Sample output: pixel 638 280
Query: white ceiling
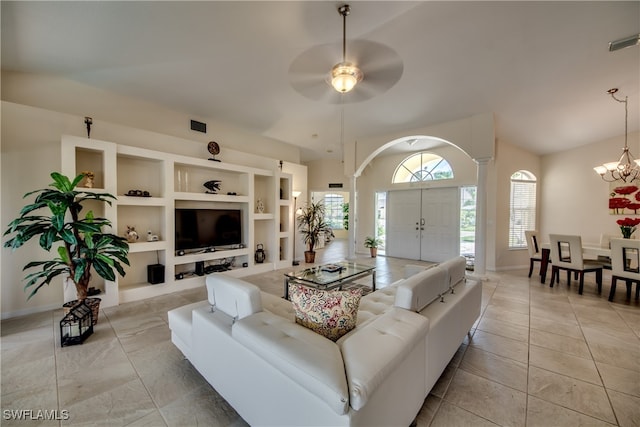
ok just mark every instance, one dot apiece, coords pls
pixel 543 68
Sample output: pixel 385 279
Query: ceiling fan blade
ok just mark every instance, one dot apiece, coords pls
pixel 309 72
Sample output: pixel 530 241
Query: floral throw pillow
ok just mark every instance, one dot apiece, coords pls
pixel 328 313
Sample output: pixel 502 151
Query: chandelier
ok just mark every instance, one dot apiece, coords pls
pixel 626 169
pixel 345 75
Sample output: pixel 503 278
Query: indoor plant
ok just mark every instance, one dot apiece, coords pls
pixel 372 243
pixel 313 227
pixel 83 243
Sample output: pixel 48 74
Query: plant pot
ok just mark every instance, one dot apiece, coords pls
pixel 309 257
pixel 374 252
pixel 93 303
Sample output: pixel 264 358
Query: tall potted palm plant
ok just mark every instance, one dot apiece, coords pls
pixel 81 242
pixel 313 227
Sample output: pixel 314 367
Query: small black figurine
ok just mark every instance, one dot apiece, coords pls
pixel 213 186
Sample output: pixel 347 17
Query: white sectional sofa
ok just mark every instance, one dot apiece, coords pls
pixel 275 372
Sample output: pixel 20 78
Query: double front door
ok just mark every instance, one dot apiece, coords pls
pixel 423 224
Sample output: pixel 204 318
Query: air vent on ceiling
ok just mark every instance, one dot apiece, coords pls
pixel 626 42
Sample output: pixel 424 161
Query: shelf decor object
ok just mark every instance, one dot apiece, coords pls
pixel 260 254
pixel 76 325
pixel 214 149
pixel 212 186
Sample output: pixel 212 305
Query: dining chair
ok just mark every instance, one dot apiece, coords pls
pixel 535 254
pixel 625 265
pixel 566 254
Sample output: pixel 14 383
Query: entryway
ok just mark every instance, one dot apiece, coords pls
pixel 423 224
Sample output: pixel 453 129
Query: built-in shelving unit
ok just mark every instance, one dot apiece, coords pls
pixel 174 181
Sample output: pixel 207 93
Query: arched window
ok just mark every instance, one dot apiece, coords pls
pixel 522 215
pixel 422 167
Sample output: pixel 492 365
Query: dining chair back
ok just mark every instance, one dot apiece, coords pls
pixel 535 253
pixel 625 265
pixel 566 254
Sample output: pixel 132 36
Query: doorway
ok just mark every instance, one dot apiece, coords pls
pixel 423 224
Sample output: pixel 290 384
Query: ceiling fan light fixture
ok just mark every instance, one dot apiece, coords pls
pixel 344 76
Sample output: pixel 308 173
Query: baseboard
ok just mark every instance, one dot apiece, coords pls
pixel 27 311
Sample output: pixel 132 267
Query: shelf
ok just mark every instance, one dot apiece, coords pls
pixel 141 201
pixel 204 197
pixel 264 216
pixel 176 182
pixel 206 256
pixel 148 246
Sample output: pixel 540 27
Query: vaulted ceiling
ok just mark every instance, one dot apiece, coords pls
pixel 543 68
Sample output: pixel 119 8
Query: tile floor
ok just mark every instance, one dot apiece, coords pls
pixel 538 356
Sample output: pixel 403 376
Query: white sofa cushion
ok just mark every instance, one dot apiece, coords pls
pixel 411 269
pixel 374 304
pixel 457 268
pixel 372 352
pixel 233 296
pixel 180 320
pixel 278 305
pixel 421 289
pixel 306 357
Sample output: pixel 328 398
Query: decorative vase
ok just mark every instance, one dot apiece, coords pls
pixel 93 303
pixel 374 252
pixel 309 257
pixel 260 255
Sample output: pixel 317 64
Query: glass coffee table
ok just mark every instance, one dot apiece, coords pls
pixel 329 276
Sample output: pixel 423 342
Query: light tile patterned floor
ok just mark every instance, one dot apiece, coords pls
pixel 538 356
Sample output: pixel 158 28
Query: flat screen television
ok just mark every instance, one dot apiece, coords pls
pixel 207 228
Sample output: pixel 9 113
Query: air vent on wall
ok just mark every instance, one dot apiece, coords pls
pixel 198 126
pixel 335 185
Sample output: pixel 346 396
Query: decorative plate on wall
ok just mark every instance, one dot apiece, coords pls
pixel 214 149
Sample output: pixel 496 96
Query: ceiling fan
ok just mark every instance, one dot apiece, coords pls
pixel 371 69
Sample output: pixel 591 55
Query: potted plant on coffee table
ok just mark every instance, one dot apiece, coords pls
pixel 80 241
pixel 313 227
pixel 372 243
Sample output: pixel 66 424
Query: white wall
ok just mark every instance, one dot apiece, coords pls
pixel 574 199
pixel 77 99
pixel 509 159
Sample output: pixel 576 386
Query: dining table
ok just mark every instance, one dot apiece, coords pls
pixel 588 250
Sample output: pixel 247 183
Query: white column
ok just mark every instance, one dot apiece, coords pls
pixel 352 219
pixel 480 265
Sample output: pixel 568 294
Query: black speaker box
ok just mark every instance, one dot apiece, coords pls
pixel 155 273
pixel 200 268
